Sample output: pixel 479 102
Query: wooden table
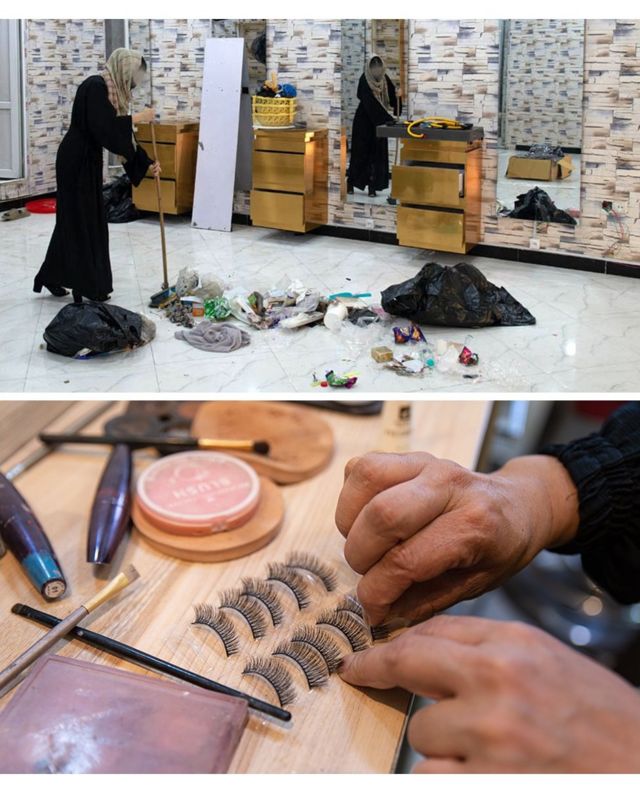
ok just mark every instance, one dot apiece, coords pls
pixel 334 729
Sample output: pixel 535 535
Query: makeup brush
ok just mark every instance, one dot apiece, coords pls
pixel 164 444
pixel 111 510
pixel 120 582
pixel 121 650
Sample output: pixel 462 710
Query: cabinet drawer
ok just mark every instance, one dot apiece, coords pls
pixel 429 228
pixel 144 196
pixel 278 171
pixel 282 140
pixel 425 185
pixel 277 210
pixel 434 151
pixel 167 158
pixel 165 133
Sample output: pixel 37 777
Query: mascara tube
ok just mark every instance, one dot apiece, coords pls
pixel 25 538
pixel 111 511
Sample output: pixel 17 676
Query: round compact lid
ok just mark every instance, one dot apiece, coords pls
pixel 198 491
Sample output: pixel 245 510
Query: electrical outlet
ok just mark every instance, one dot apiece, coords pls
pixel 534 244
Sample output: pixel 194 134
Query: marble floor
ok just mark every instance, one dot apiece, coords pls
pixel 586 336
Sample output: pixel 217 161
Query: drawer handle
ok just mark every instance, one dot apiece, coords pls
pixel 461 184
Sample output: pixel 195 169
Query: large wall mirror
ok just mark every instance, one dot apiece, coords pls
pixel 374 74
pixel 253 31
pixel 540 125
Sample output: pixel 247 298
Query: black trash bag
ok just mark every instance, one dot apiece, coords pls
pixel 117 201
pixel 537 205
pixel 456 297
pixel 259 48
pixel 96 328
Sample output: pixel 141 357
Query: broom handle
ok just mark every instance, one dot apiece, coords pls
pixel 165 273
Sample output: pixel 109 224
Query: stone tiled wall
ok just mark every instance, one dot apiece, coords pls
pixel 453 70
pixel 58 55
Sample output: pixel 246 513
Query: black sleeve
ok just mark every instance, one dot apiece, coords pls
pixel 393 96
pixel 373 108
pixel 606 470
pixel 137 166
pixel 108 129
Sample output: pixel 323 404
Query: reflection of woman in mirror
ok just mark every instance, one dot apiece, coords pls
pixel 369 163
pixel 78 254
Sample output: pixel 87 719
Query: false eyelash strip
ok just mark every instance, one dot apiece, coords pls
pixel 322 642
pixel 308 659
pixel 276 674
pixel 266 594
pixel 313 565
pixel 292 580
pixel 351 605
pixel 247 608
pixel 220 623
pixel 353 630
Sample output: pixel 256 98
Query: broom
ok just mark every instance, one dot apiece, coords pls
pixel 165 273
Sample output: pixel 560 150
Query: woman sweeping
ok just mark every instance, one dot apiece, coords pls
pixel 78 254
pixel 369 163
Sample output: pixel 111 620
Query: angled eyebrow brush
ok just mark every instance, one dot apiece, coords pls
pixel 164 444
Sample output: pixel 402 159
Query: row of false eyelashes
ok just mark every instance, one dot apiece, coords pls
pixel 311 648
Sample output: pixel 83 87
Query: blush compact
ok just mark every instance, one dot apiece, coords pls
pixel 206 506
pixel 198 492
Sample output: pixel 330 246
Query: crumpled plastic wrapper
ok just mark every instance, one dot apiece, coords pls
pixel 187 282
pixel 209 288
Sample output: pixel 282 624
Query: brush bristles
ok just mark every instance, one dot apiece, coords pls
pixel 131 574
pixel 261 447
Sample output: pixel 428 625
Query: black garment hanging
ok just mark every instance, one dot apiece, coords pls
pixel 369 161
pixel 78 254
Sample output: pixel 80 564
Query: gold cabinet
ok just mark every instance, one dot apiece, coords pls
pixel 177 145
pixel 290 179
pixel 438 185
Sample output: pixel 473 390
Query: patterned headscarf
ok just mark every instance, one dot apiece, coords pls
pixel 379 86
pixel 118 75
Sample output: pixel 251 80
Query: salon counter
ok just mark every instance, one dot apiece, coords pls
pixel 290 179
pixel 334 729
pixel 438 185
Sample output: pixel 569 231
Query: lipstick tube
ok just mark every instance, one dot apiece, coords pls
pixel 111 511
pixel 25 538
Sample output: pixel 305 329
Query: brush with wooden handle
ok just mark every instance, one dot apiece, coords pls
pixel 120 582
pixel 163 443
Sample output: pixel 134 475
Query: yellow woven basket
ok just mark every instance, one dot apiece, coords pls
pixel 270 111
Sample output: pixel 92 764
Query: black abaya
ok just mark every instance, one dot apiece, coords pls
pixel 78 254
pixel 369 162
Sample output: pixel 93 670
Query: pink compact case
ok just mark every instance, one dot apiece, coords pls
pixel 198 492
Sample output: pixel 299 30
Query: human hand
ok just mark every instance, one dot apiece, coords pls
pixel 156 170
pixel 510 699
pixel 426 533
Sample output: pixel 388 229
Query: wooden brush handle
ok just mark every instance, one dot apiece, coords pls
pixel 34 652
pixel 41 646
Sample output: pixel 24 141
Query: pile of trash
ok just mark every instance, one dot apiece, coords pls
pixel 218 317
